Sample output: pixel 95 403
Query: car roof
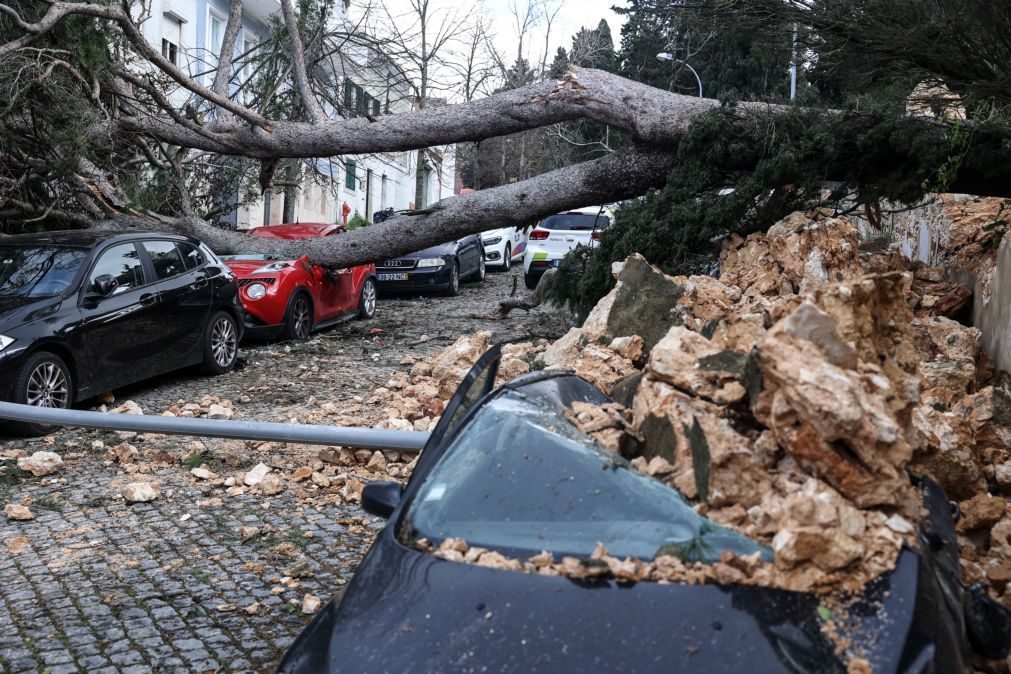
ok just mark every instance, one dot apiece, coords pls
pixel 295 230
pixel 87 238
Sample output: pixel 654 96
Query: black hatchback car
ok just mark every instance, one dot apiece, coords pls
pixel 506 471
pixel 436 269
pixel 83 312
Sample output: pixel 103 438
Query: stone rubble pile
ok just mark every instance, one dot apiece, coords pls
pixel 791 398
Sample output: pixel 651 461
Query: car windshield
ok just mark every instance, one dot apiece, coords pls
pixel 521 478
pixel 253 257
pixel 575 221
pixel 38 271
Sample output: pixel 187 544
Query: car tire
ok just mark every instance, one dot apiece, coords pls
pixel 221 343
pixel 367 300
pixel 507 261
pixel 454 280
pixel 480 273
pixel 298 318
pixel 531 280
pixel 44 380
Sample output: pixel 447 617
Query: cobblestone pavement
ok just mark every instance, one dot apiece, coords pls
pixel 99 585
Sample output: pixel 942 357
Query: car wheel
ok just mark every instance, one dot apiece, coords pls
pixel 507 262
pixel 221 343
pixel 298 321
pixel 482 270
pixel 43 381
pixel 454 280
pixel 367 302
pixel 531 280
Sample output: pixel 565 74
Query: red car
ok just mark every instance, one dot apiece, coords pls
pixel 291 298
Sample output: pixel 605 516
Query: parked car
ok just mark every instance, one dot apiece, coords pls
pixel 439 268
pixel 83 312
pixel 504 246
pixel 556 235
pixel 506 471
pixel 292 298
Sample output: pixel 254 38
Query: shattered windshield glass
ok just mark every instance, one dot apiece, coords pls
pixel 520 477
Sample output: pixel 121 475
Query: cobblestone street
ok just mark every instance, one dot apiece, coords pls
pixel 199 580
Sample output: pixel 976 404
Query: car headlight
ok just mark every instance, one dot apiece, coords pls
pixel 5 341
pixel 272 267
pixel 492 241
pixel 255 291
pixel 431 262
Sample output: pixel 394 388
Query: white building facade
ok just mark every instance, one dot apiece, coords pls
pixel 189 33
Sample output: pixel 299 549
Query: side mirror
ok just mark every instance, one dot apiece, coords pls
pixel 381 498
pixel 105 285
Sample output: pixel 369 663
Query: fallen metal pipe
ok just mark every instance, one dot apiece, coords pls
pixel 363 438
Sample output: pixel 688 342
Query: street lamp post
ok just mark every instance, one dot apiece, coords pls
pixel 667 56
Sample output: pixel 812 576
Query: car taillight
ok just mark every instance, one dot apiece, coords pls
pixel 538 235
pixel 596 234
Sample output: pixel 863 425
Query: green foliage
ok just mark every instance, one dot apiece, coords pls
pixel 357 221
pixel 738 175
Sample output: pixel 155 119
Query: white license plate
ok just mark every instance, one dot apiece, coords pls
pixel 392 277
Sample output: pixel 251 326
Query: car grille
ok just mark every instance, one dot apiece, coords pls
pixel 396 264
pixel 265 281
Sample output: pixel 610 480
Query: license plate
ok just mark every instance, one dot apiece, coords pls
pixel 392 277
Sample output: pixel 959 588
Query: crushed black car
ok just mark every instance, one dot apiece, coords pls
pixel 506 470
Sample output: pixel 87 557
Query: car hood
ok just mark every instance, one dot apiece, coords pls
pixel 408 611
pixel 245 268
pixel 432 251
pixel 15 311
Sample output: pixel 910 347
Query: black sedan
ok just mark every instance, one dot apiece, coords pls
pixel 506 471
pixel 85 312
pixel 439 268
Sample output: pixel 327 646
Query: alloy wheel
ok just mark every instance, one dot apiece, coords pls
pixel 48 386
pixel 224 344
pixel 508 263
pixel 481 269
pixel 302 317
pixel 369 298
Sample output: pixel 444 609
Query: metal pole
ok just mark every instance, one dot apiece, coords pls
pixel 697 78
pixel 364 438
pixel 793 65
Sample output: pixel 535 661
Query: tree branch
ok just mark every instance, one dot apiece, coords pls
pixel 224 72
pixel 312 109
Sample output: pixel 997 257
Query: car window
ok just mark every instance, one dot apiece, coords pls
pixel 122 262
pixel 521 478
pixel 38 271
pixel 575 222
pixel 165 257
pixel 192 256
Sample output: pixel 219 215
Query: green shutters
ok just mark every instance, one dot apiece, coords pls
pixel 350 180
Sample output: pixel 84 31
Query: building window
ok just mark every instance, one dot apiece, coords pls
pixel 350 181
pixel 349 98
pixel 171 33
pixel 375 108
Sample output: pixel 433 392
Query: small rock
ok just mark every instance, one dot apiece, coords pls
pixel 203 474
pixel 310 603
pixel 128 407
pixel 254 476
pixel 141 492
pixel 253 608
pixel 18 512
pixel 330 455
pixel 216 411
pixel 245 533
pixel 303 473
pixel 377 464
pixel 237 490
pixel 41 464
pixel 320 480
pixel 980 511
pixel 270 485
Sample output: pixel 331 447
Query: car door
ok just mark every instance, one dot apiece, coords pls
pixel 334 288
pixel 119 333
pixel 469 251
pixel 184 304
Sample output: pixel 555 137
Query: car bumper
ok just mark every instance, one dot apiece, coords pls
pixel 10 362
pixel 253 328
pixel 425 279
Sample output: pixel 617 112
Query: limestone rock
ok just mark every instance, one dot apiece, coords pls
pixel 692 363
pixel 310 603
pixel 271 485
pixel 450 366
pixel 203 474
pixel 17 512
pixel 141 492
pixel 122 453
pixel 256 474
pixel 981 511
pixel 41 464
